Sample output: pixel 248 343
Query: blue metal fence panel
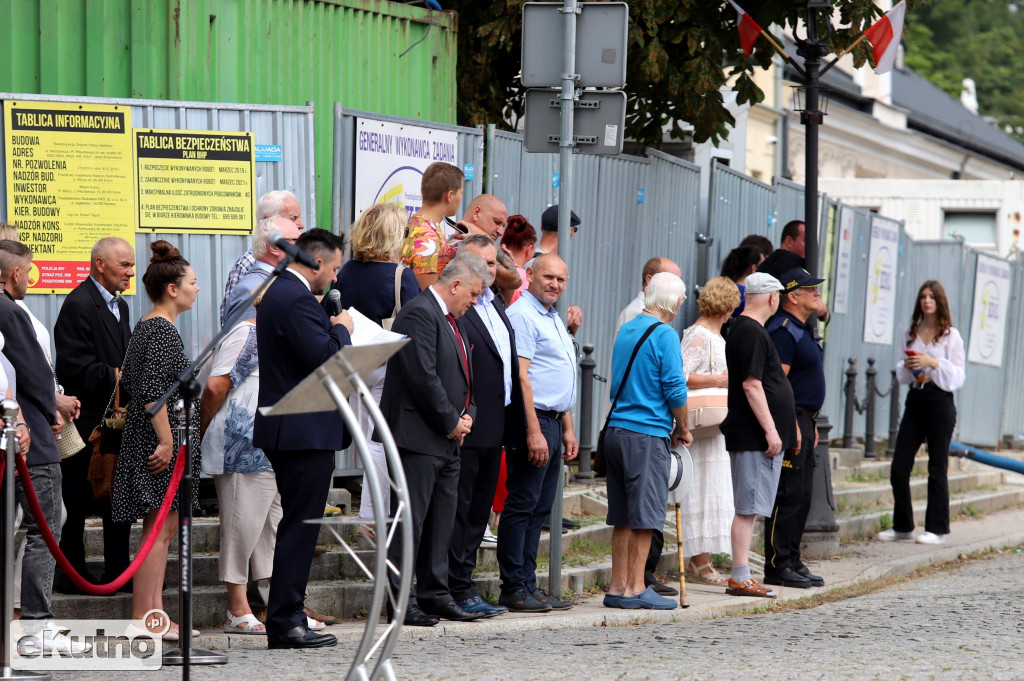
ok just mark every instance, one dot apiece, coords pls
pixel 1013 358
pixel 738 206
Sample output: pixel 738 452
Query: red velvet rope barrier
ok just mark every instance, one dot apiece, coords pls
pixel 140 557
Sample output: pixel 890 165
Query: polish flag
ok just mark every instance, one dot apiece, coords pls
pixel 749 30
pixel 885 35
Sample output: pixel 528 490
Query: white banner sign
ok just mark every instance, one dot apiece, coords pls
pixel 844 256
pixel 881 293
pixel 991 305
pixel 391 158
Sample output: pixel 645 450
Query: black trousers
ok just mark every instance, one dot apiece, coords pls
pixel 80 504
pixel 929 415
pixel 784 529
pixel 478 478
pixel 653 556
pixel 433 483
pixel 303 481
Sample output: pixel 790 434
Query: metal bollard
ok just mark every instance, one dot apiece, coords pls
pixel 894 414
pixel 869 428
pixel 851 402
pixel 586 428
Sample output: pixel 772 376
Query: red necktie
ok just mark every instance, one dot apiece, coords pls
pixel 462 352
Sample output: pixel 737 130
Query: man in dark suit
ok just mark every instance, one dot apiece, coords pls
pixel 500 422
pixel 91 336
pixel 38 401
pixel 295 336
pixel 428 403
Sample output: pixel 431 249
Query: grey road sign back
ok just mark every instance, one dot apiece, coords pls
pixel 598 122
pixel 601 29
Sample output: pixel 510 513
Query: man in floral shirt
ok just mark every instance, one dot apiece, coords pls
pixel 441 188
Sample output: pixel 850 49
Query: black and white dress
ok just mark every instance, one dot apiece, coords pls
pixel 155 356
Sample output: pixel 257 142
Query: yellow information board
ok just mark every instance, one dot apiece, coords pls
pixel 198 182
pixel 69 184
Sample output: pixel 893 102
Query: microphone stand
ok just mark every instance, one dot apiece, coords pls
pixel 189 387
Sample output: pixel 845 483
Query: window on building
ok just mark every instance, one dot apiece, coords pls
pixel 976 227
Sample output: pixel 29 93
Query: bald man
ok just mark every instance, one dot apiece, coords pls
pixel 91 335
pixel 636 306
pixel 486 214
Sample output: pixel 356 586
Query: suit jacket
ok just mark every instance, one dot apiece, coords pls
pixel 294 336
pixel 90 344
pixel 426 386
pixel 35 381
pixel 495 424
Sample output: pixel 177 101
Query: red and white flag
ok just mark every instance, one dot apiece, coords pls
pixel 885 35
pixel 749 30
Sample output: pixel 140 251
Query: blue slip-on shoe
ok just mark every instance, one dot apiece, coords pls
pixel 612 600
pixel 477 604
pixel 648 600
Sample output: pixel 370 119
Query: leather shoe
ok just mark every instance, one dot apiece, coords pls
pixel 816 580
pixel 522 601
pixel 326 619
pixel 452 611
pixel 477 604
pixel 300 637
pixel 662 589
pixel 787 577
pixel 414 617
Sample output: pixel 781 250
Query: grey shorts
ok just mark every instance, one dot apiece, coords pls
pixel 637 478
pixel 755 480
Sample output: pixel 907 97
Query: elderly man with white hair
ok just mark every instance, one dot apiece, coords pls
pixel 648 416
pixel 272 204
pixel 267 258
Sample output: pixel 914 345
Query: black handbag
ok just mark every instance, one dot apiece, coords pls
pixel 599 462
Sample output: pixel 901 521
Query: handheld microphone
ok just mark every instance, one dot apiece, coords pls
pixel 277 241
pixel 334 298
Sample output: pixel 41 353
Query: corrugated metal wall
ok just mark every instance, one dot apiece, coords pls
pixel 471 150
pixel 210 255
pixel 364 53
pixel 789 204
pixel 1013 357
pixel 738 206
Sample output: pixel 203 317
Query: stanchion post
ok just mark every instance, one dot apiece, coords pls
pixel 894 414
pixel 851 402
pixel 869 416
pixel 585 431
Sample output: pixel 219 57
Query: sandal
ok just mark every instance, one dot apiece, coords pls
pixel 705 574
pixel 315 625
pixel 173 633
pixel 366 538
pixel 244 624
pixel 751 587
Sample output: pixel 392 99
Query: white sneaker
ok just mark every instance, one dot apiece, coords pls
pixel 489 538
pixel 893 535
pixel 49 638
pixel 930 538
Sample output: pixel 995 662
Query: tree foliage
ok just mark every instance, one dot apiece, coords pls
pixel 680 54
pixel 980 39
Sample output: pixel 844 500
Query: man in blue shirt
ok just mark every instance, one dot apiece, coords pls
pixel 801 359
pixel 547 372
pixel 648 412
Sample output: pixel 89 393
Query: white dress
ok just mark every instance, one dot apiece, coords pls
pixel 708 509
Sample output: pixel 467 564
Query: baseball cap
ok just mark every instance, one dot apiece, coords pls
pixel 762 282
pixel 549 219
pixel 798 277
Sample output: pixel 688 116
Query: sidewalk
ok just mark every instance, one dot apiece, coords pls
pixel 859 563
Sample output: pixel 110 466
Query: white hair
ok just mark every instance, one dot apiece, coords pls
pixel 259 235
pixel 272 203
pixel 664 292
pixel 465 267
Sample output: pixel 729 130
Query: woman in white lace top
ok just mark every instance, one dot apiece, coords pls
pixel 708 509
pixel 934 368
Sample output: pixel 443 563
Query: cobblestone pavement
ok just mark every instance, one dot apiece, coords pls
pixel 963 624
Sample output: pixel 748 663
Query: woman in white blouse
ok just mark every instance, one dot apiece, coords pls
pixel 934 368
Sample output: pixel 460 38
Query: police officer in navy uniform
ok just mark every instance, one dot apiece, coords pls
pixel 801 359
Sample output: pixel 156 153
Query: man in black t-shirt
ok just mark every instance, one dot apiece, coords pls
pixel 760 425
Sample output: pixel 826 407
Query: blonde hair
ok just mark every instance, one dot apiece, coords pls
pixel 378 233
pixel 9 232
pixel 720 296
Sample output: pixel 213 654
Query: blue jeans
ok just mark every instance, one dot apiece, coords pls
pixel 531 492
pixel 38 566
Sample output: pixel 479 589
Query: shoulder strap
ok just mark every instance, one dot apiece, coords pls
pixel 398 288
pixel 629 366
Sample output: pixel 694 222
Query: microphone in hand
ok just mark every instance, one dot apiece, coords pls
pixel 297 254
pixel 334 298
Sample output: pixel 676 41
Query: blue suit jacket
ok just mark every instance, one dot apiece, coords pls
pixel 294 336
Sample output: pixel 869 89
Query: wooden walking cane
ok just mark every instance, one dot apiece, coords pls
pixel 684 600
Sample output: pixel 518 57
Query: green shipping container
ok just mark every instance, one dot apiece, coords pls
pixel 371 55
